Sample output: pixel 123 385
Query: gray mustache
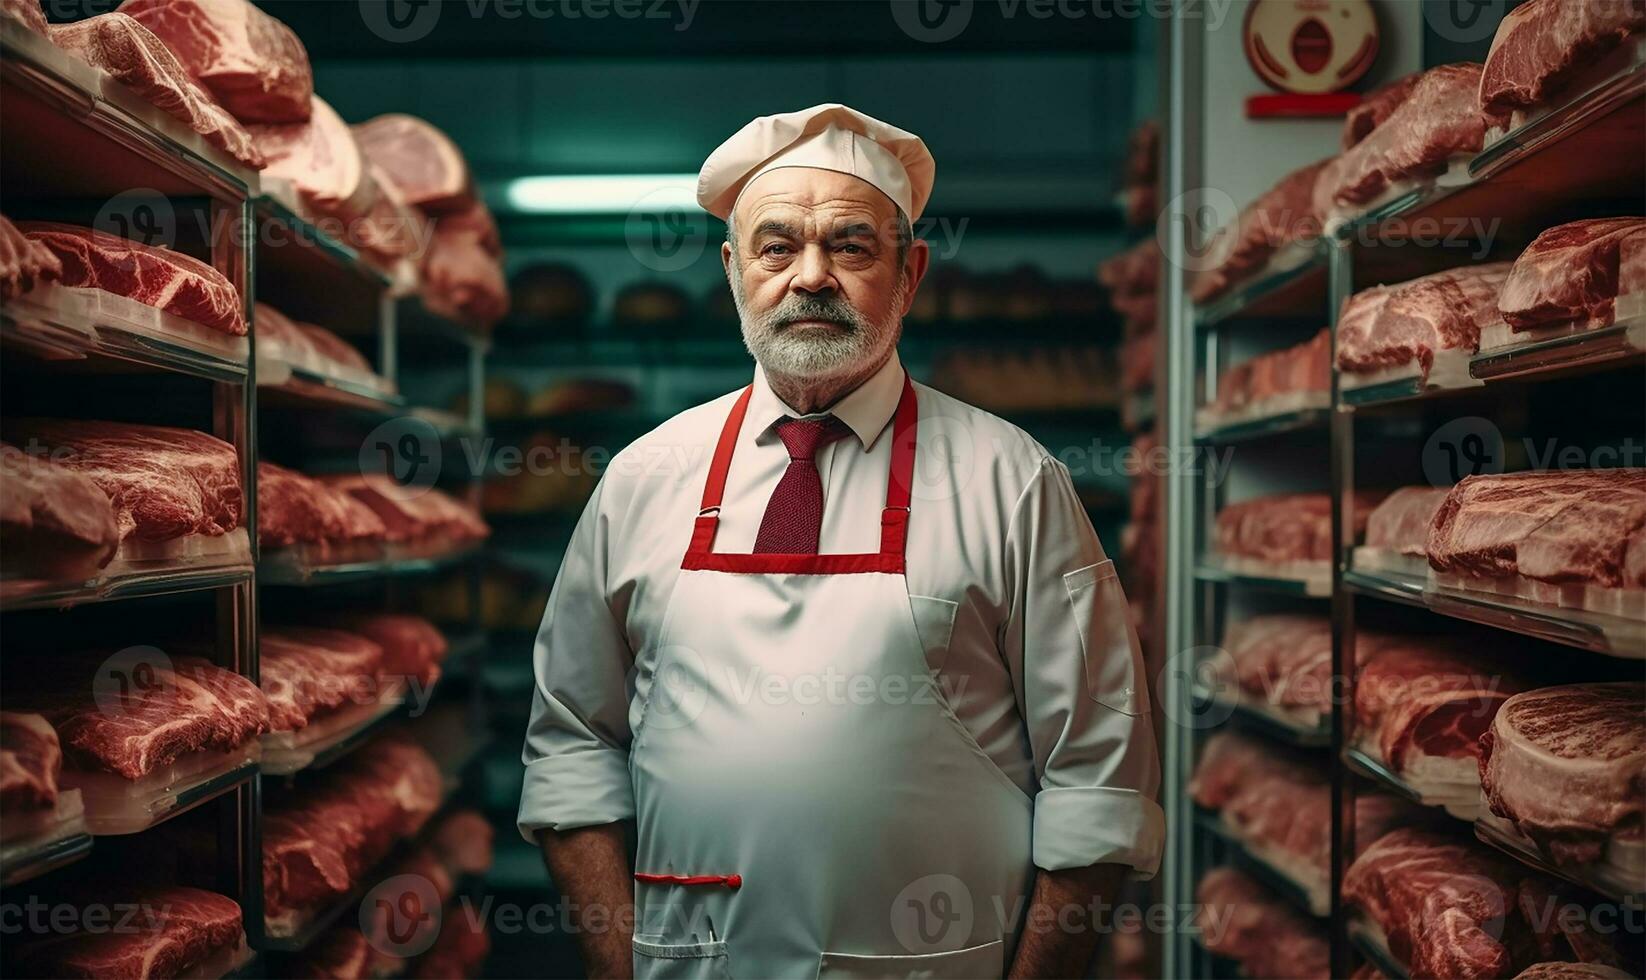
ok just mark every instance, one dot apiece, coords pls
pixel 796 310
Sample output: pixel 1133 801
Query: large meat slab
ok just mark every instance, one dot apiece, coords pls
pixel 1285 527
pixel 252 62
pixel 1300 368
pixel 176 928
pixel 1573 273
pixel 1425 696
pixel 420 161
pixel 1388 326
pixel 31 758
pixel 128 51
pixel 1561 526
pixel 163 482
pixel 54 522
pixel 169 281
pixel 293 508
pixel 463 269
pixel 1280 216
pixel 1542 44
pixel 320 157
pixel 412 513
pixel 1401 523
pixel 1567 765
pixel 1240 919
pixel 307 673
pixel 412 646
pixel 24 263
pixel 1436 121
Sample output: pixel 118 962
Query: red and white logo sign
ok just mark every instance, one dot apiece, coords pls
pixel 1311 46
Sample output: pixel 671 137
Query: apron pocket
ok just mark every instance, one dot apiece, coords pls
pixel 934 623
pixel 971 963
pixel 680 961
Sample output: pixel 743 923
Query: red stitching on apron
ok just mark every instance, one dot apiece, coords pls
pixel 730 881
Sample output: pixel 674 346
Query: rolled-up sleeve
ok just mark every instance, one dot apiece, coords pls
pixel 1079 677
pixel 577 742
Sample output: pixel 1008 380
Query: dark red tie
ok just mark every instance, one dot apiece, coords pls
pixel 794 515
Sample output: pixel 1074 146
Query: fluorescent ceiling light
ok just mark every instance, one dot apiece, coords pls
pixel 603 193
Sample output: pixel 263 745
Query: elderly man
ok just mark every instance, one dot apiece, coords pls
pixel 886 716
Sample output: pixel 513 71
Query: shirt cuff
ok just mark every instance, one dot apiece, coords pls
pixel 1076 827
pixel 578 789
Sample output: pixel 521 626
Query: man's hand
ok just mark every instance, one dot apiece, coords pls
pixel 590 867
pixel 1061 929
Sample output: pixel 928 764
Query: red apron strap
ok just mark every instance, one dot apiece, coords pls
pixel 714 488
pixel 894 520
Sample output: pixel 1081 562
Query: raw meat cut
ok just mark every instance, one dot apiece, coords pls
pixel 54 523
pixel 459 950
pixel 252 62
pixel 1423 696
pixel 1541 44
pixel 344 954
pixel 173 930
pixel 123 48
pixel 408 912
pixel 1283 659
pixel 1572 971
pixel 186 705
pixel 1304 367
pixel 293 508
pixel 159 277
pixel 418 160
pixel 1441 901
pixel 335 348
pixel 411 513
pixel 1286 527
pixel 1565 922
pixel 463 840
pixel 24 263
pixel 412 647
pixel 1567 765
pixel 1553 526
pixel 321 159
pixel 390 229
pixel 1401 523
pixel 1280 216
pixel 1375 108
pixel 300 343
pixel 164 483
pixel 1136 270
pixel 1569 274
pixel 309 672
pixel 30 760
pixel 27 11
pixel 463 269
pixel 1240 919
pixel 317 845
pixel 1229 759
pixel 1438 120
pixel 1388 326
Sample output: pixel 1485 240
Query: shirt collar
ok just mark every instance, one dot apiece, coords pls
pixel 866 410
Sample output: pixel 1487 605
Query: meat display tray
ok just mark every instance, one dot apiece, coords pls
pixel 1400 197
pixel 1621 876
pixel 1310 578
pixel 288 567
pixel 1306 890
pixel 116 805
pixel 143 569
pixel 1292 282
pixel 1590 631
pixel 1449 372
pixel 61 322
pixel 44 841
pixel 1591 82
pixel 1458 799
pixel 321 379
pixel 332 737
pixel 1369 939
pixel 1287 412
pixel 1254 713
pixel 1504 354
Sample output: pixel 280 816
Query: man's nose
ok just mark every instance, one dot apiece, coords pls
pixel 813 272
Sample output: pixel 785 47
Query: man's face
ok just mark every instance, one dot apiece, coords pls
pixel 815 273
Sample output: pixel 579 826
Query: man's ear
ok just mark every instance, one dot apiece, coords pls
pixel 915 265
pixel 726 260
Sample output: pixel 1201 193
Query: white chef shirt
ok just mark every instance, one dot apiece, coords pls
pixel 1020 612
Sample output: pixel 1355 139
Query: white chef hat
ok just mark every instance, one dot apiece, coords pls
pixel 829 137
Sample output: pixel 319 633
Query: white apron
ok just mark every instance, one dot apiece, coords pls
pixel 808 803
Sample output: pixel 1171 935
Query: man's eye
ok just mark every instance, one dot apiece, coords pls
pixel 775 249
pixel 851 249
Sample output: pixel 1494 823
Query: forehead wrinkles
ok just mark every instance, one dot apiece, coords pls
pixel 812 220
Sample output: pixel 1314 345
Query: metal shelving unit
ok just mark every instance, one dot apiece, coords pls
pixel 1589 151
pixel 74 135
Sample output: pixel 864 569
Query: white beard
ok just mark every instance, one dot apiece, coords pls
pixel 817 355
